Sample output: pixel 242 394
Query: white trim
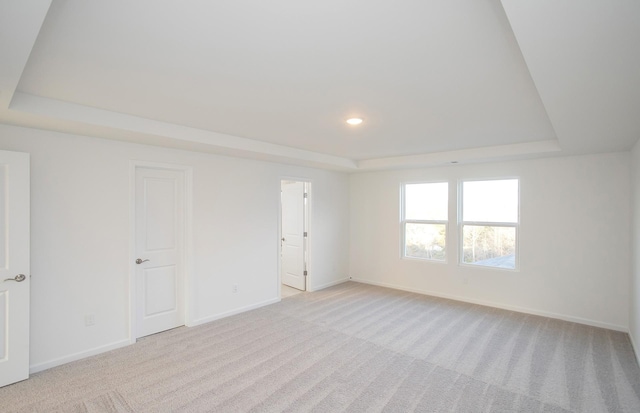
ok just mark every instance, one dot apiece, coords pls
pixel 279 243
pixel 517 309
pixel 463 156
pixel 214 317
pixel 426 260
pixel 308 230
pixel 132 251
pixel 327 285
pixel 219 143
pixel 78 356
pixel 187 253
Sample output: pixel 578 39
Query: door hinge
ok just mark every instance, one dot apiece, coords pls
pixel 306 195
pixel 305 234
pixel 305 273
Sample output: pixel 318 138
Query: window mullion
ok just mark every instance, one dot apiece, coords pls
pixel 490 224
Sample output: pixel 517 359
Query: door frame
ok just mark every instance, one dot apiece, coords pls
pixel 187 260
pixel 307 241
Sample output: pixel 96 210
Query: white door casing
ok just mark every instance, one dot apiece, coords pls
pixel 292 265
pixel 14 267
pixel 159 247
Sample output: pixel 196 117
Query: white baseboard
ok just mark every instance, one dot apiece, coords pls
pixel 108 347
pixel 214 317
pixel 77 356
pixel 525 310
pixel 327 285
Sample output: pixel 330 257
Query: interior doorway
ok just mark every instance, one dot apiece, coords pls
pixel 294 242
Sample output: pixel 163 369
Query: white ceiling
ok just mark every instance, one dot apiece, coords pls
pixel 435 80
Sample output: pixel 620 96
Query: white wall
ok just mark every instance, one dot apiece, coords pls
pixel 634 307
pixel 574 238
pixel 80 227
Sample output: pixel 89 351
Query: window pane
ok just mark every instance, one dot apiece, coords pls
pixel 489 246
pixel 427 202
pixel 490 201
pixel 425 241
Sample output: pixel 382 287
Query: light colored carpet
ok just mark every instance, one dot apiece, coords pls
pixel 351 348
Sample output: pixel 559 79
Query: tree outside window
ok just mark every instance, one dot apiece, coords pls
pixel 425 219
pixel 489 223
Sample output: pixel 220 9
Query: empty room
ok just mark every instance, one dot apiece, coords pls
pixel 336 206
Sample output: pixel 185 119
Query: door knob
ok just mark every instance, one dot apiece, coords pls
pixel 18 278
pixel 283 239
pixel 140 261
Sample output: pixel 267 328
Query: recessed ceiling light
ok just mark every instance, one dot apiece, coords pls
pixel 354 121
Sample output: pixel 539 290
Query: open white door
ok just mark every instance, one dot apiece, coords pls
pixel 159 245
pixel 14 267
pixel 292 265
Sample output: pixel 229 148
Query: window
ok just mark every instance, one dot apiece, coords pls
pixel 424 220
pixel 489 222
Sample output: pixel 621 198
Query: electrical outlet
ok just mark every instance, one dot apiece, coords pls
pixel 234 288
pixel 89 320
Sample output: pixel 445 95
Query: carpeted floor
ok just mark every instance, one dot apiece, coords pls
pixel 351 348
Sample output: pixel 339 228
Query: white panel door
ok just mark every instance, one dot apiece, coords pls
pixel 159 240
pixel 293 248
pixel 14 267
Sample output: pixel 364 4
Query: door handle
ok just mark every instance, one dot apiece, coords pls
pixel 140 261
pixel 18 278
pixel 283 239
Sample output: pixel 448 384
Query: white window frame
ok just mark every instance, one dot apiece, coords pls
pixel 462 223
pixel 404 222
